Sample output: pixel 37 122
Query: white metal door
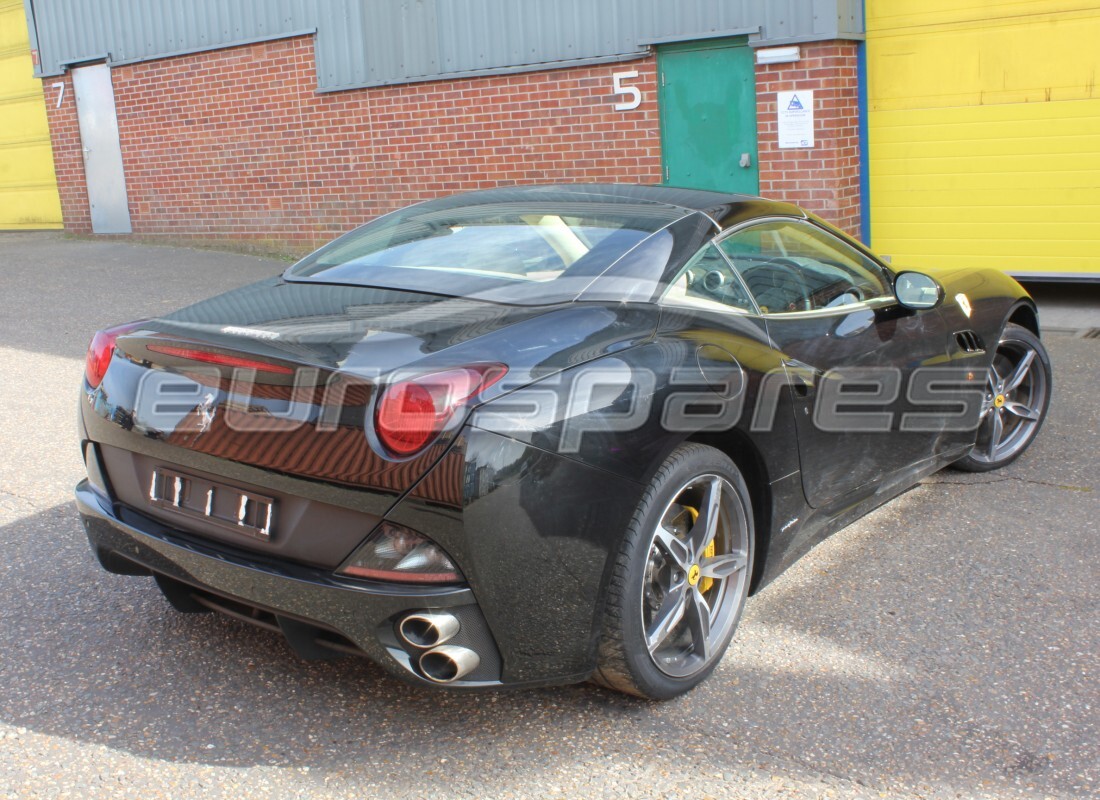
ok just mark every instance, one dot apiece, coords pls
pixel 95 107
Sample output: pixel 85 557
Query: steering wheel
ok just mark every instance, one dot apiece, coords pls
pixel 781 273
pixel 846 296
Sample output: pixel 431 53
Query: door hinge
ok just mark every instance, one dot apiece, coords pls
pixel 663 79
pixel 666 173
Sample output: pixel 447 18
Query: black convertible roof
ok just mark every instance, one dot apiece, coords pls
pixel 724 208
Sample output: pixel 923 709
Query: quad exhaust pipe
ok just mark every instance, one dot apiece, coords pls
pixel 428 629
pixel 448 663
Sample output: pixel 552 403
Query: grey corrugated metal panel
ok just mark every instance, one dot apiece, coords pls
pixel 380 42
pixel 837 17
pixel 372 42
pixel 780 20
pixel 791 21
pixel 704 16
pixel 70 31
pixel 31 30
pixel 493 35
pixel 342 21
pixel 416 40
pixel 850 17
pixel 419 26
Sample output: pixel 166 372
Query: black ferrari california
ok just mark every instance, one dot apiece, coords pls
pixel 541 435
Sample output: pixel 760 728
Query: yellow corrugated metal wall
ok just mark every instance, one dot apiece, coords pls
pixel 984 133
pixel 28 186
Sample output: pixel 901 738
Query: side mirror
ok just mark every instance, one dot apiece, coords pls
pixel 917 291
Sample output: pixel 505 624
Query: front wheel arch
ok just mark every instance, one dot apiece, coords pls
pixel 1016 401
pixel 1024 315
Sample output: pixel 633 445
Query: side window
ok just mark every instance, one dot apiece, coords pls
pixel 794 266
pixel 708 282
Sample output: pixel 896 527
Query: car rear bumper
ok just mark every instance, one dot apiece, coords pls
pixel 318 611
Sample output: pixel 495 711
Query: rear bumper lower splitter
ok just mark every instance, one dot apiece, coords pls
pixel 364 614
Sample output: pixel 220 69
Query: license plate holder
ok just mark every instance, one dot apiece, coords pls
pixel 226 507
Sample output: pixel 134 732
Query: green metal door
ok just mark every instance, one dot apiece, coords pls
pixel 707 99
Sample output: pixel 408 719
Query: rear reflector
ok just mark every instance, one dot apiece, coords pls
pixel 221 359
pixel 396 553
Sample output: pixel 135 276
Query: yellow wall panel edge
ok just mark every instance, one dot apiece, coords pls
pixel 28 182
pixel 883 16
pixel 1023 60
pixel 984 134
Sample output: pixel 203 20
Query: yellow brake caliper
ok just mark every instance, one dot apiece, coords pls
pixel 706 583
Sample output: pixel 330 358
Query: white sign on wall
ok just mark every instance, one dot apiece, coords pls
pixel 795 111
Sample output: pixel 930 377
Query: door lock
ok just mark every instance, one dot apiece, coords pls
pixel 746 160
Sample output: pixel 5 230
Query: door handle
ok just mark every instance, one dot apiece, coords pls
pixel 746 160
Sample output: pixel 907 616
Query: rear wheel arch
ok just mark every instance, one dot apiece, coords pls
pixel 747 457
pixel 679 583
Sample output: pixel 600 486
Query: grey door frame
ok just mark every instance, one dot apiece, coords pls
pixel 104 175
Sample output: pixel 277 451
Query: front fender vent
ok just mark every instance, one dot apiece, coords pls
pixel 970 342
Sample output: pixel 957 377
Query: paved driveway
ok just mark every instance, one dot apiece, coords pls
pixel 945 646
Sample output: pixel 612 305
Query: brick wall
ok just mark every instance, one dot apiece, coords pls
pixel 67 156
pixel 237 143
pixel 824 179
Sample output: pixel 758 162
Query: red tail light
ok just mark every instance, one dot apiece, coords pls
pixel 410 414
pixel 223 359
pixel 99 355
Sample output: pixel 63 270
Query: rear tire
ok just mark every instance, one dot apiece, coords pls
pixel 681 577
pixel 1016 402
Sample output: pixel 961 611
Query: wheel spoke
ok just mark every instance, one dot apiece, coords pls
pixel 668 616
pixel 1020 410
pixel 721 567
pixel 698 620
pixel 995 434
pixel 674 547
pixel 706 526
pixel 1020 372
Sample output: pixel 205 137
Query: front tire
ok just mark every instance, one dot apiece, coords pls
pixel 681 578
pixel 1016 402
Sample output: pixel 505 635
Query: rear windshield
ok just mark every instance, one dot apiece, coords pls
pixel 525 254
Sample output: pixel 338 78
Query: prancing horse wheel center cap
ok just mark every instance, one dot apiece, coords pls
pixel 693 574
pixel 999 401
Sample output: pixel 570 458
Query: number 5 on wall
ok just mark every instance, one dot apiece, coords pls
pixel 633 92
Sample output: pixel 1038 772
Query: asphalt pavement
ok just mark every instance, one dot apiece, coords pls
pixel 945 646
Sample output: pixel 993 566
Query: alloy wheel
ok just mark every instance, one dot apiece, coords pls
pixel 696 575
pixel 1015 398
